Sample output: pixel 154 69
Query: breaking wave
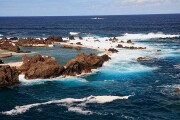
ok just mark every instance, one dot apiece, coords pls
pixel 72 104
pixel 127 36
pixel 74 33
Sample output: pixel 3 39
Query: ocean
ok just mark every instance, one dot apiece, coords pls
pixel 123 89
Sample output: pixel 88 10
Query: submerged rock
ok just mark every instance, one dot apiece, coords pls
pixel 8 76
pixel 144 58
pixel 79 43
pixel 1 62
pixel 78 48
pixel 40 67
pixel 67 47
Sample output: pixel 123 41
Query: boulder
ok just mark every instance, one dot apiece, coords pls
pixel 78 43
pixel 80 38
pixel 55 39
pixel 120 46
pixel 1 62
pixel 9 76
pixel 129 41
pixel 144 58
pixel 39 67
pixel 113 50
pixel 71 38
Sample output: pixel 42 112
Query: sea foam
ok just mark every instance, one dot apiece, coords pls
pixel 128 36
pixel 70 103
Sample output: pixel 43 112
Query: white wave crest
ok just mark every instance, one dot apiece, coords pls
pixel 42 81
pixel 1 35
pixel 97 18
pixel 74 33
pixel 70 103
pixel 146 36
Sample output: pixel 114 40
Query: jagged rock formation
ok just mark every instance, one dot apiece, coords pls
pixel 40 67
pixel 84 63
pixel 7 45
pixel 8 76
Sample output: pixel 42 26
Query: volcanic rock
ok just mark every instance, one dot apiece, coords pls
pixel 78 43
pixel 129 41
pixel 39 67
pixel 71 38
pixel 119 46
pixel 84 63
pixel 8 76
pixel 113 50
pixel 6 45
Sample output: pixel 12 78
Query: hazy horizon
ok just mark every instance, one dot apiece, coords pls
pixel 88 7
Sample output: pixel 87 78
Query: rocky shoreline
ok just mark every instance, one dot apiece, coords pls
pixel 45 67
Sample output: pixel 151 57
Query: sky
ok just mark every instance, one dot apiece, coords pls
pixel 86 7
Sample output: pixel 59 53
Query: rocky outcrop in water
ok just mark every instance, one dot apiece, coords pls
pixel 131 47
pixel 67 47
pixel 113 50
pixel 8 76
pixel 40 67
pixel 84 63
pixel 39 42
pixel 7 45
pixel 1 62
pixel 71 38
pixel 144 58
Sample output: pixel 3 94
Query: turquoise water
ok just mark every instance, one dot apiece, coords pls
pixel 61 55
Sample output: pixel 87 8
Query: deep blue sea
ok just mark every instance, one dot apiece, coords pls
pixel 123 89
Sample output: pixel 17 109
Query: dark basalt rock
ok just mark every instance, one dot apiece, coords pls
pixel 113 50
pixel 55 39
pixel 6 45
pixel 78 43
pixel 13 38
pixel 84 63
pixel 8 76
pixel 119 46
pixel 80 38
pixel 129 41
pixel 114 39
pixel 71 38
pixel 39 67
pixel 1 62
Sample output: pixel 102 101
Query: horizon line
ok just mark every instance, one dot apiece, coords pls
pixel 92 15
